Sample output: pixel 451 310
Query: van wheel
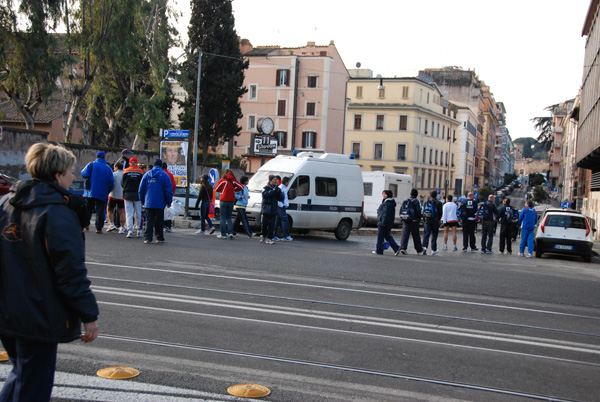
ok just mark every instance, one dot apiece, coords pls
pixel 342 232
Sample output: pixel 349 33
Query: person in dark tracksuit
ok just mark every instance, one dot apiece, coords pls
pixel 386 213
pixel 505 217
pixel 410 213
pixel 468 214
pixel 488 225
pixel 432 214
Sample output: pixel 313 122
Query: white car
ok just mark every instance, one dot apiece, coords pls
pixel 564 231
pixel 179 202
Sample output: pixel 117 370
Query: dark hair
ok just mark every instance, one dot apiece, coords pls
pixel 449 197
pixel 119 165
pixel 285 180
pixel 433 194
pixel 507 201
pixel 164 165
pixel 388 193
pixel 414 193
pixel 530 203
pixel 244 179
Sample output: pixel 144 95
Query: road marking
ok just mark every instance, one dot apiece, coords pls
pixel 92 388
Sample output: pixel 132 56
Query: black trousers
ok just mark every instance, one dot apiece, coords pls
pixel 155 219
pixel 32 376
pixel 98 206
pixel 268 226
pixel 506 232
pixel 469 233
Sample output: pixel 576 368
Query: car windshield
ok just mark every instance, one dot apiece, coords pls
pixel 261 179
pixel 565 221
pixel 180 192
pixel 77 184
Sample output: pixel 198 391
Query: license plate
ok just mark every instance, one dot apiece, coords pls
pixel 562 247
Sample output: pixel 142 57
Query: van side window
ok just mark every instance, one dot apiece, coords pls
pixel 368 188
pixel 326 186
pixel 300 187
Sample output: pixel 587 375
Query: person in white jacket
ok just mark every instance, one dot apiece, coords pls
pixel 450 220
pixel 281 217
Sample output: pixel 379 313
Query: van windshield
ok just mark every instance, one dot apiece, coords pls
pixel 261 178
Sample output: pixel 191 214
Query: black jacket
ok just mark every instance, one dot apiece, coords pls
pixel 386 212
pixel 270 196
pixel 44 289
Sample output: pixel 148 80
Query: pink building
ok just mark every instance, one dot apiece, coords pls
pixel 303 90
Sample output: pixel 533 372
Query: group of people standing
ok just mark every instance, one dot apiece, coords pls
pixel 127 188
pixel 470 212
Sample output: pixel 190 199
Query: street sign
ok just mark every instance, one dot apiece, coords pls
pixel 439 191
pixel 213 176
pixel 565 204
pixel 476 194
pixel 475 186
pixel 175 133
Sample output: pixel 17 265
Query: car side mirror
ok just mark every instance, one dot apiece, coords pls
pixel 292 194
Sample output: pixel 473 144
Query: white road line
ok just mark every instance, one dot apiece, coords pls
pixel 93 388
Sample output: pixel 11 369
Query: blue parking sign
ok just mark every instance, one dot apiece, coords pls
pixel 565 204
pixel 476 194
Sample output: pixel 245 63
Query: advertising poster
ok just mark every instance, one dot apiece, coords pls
pixel 174 154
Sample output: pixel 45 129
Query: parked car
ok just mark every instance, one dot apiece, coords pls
pixel 77 188
pixel 179 200
pixel 6 183
pixel 564 231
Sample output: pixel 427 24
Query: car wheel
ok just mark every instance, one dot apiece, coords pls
pixel 587 257
pixel 538 253
pixel 342 232
pixel 217 214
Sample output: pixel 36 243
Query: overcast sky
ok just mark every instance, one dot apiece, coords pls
pixel 530 52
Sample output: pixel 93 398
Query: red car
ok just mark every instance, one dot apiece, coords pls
pixel 6 183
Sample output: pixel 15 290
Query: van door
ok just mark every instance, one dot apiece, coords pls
pixel 325 204
pixel 300 201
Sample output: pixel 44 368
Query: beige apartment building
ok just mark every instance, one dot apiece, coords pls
pixel 403 125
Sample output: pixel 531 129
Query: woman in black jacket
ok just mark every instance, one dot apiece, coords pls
pixel 386 213
pixel 43 278
pixel 270 195
pixel 204 199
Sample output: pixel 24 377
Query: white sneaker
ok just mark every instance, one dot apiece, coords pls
pixel 269 241
pixel 424 251
pixel 111 227
pixel 435 252
pixel 521 255
pixel 199 232
pixel 445 247
pixel 129 234
pixel 262 239
pixel 231 236
pixel 221 237
pixel 122 230
pixel 529 256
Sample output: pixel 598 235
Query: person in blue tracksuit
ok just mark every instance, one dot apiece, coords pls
pixel 527 221
pixel 156 193
pixel 102 183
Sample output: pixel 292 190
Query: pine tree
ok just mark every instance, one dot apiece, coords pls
pixel 212 31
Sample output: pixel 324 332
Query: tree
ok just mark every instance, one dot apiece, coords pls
pixel 536 179
pixel 484 193
pixel 509 178
pixel 29 62
pixel 222 75
pixel 539 194
pixel 544 126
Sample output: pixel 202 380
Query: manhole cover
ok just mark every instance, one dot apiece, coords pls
pixel 3 356
pixel 248 390
pixel 118 373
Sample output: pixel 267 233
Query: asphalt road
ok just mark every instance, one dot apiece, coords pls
pixel 318 319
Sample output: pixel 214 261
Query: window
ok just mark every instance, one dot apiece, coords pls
pixel 299 187
pixel 282 78
pixel 404 92
pixel 309 139
pixel 368 188
pixel 432 129
pixel 281 107
pixel 359 92
pixel 326 186
pixel 426 126
pixel 429 177
pixel 468 146
pixel 417 153
pixel 443 132
pixel 419 124
pixel 424 155
pixel 438 130
pixel 356 149
pixel 253 92
pixel 357 121
pixel 430 156
pixel 378 151
pixel 251 123
pixel 310 108
pixel 379 122
pixel 311 81
pixel 436 157
pixel 281 138
pixel 382 93
pixel 401 152
pixel 403 123
pixel 423 178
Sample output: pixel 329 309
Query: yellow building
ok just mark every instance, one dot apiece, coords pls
pixel 403 125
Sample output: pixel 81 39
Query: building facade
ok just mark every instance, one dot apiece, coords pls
pixel 403 125
pixel 466 150
pixel 303 90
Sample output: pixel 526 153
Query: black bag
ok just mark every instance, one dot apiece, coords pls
pixel 88 182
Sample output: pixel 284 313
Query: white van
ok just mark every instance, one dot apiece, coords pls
pixel 326 192
pixel 375 182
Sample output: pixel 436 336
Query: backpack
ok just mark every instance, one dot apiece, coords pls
pixel 407 211
pixel 508 214
pixel 428 211
pixel 483 212
pixel 515 215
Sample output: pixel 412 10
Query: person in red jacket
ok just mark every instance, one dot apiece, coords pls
pixel 227 186
pixel 169 222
